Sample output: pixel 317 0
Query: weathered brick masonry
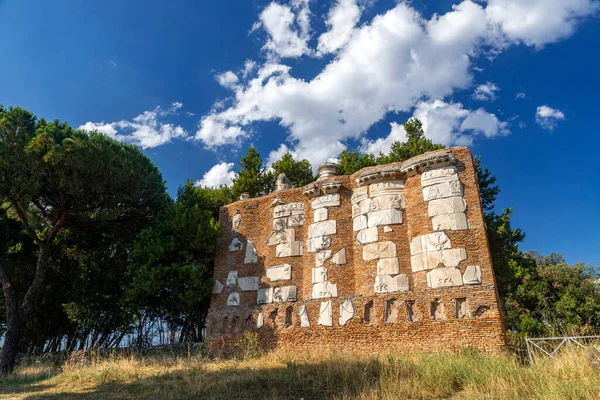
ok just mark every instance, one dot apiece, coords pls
pixel 416 273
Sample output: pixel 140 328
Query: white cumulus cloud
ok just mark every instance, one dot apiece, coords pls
pixel 342 19
pixel 486 92
pixel 399 61
pixel 288 28
pixel 219 174
pixel 147 130
pixel 548 117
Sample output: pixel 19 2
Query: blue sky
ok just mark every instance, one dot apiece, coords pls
pixel 194 83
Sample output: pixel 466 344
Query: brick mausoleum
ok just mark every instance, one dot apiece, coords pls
pixel 393 257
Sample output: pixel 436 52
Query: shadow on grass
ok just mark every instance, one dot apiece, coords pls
pixel 322 380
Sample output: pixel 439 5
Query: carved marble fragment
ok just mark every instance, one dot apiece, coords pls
pixel 319 275
pixel 359 194
pixel 387 202
pixel 279 272
pixel 430 242
pixel 280 224
pixel 218 287
pixel 330 200
pixel 361 207
pixel 384 217
pixel 388 266
pixel 304 321
pixel 235 245
pixel 450 205
pixel 284 293
pixel 387 229
pixel 346 311
pixel 260 320
pixel 248 283
pixel 231 278
pixel 318 243
pixel 444 277
pixel 282 236
pixel 323 290
pixel 368 235
pixel 326 314
pixel 296 220
pixel 292 249
pixel 387 188
pixel 251 255
pixel 448 257
pixel 339 258
pixel 438 175
pixel 375 251
pixel 320 214
pixel 321 257
pixel 264 296
pixel 391 284
pixel 359 223
pixel 472 275
pixel 235 221
pixel 454 222
pixel 322 228
pixel 233 299
pixel 441 190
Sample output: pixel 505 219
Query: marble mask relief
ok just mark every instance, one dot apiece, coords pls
pixel 446 207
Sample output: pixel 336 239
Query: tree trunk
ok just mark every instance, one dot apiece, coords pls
pixel 16 317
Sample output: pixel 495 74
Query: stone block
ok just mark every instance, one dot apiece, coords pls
pixel 233 299
pixel 264 296
pixel 260 320
pixel 326 314
pixel 388 266
pixel 218 287
pixel 236 221
pixel 231 278
pixel 369 235
pixel 320 214
pixel 346 312
pixel 235 245
pixel 280 272
pixel 339 258
pixel 292 249
pixel 319 275
pixel 450 205
pixel 330 200
pixel 472 275
pixel 387 229
pixel 321 257
pixel 251 255
pixel 376 251
pixel 285 210
pixel 284 293
pixel 444 277
pixel 453 222
pixel 304 321
pixel 384 217
pixel 248 283
pixel 322 228
pixel 359 223
pixel 324 290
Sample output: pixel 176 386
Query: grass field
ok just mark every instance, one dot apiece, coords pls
pixel 467 375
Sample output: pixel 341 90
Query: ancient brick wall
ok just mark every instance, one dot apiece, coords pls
pixel 391 257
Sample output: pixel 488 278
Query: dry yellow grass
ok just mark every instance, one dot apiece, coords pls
pixel 467 375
